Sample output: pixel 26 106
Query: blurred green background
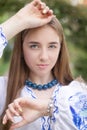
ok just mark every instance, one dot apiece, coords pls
pixel 74 22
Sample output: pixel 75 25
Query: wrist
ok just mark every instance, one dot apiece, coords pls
pixel 20 21
pixel 47 107
pixel 24 18
pixel 50 107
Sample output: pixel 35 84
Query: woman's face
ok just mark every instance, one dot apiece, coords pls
pixel 41 49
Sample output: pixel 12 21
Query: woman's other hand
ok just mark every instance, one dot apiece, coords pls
pixel 29 109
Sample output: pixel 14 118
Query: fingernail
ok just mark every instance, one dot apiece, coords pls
pixel 20 110
pixel 44 11
pixel 3 122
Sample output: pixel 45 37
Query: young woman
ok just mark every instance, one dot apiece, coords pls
pixel 40 73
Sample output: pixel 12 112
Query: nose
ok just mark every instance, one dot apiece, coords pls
pixel 44 55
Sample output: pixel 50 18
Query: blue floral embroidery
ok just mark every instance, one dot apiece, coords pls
pixel 3 41
pixel 78 108
pixel 2 37
pixel 55 111
pixel 30 92
pixel 46 123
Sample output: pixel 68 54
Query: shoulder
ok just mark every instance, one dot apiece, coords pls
pixel 73 87
pixel 73 94
pixel 74 97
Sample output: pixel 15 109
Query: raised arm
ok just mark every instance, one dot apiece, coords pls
pixel 32 15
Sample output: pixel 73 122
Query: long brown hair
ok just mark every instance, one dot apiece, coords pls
pixel 19 71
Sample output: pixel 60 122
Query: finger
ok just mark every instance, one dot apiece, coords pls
pixel 42 6
pixel 4 121
pixel 9 115
pixel 36 2
pixel 50 12
pixel 12 109
pixel 17 105
pixel 45 10
pixel 19 124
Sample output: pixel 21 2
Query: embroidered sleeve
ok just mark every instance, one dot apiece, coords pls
pixel 78 108
pixel 3 41
pixel 72 107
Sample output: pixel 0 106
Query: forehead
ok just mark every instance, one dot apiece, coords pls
pixel 46 32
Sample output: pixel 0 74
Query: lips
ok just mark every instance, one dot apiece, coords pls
pixel 42 66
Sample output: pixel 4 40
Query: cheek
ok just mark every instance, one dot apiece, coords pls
pixel 55 55
pixel 54 59
pixel 30 58
pixel 27 59
pixel 27 56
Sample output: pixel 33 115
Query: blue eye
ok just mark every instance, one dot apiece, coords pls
pixel 52 46
pixel 33 46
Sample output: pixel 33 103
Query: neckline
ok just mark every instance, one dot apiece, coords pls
pixel 32 94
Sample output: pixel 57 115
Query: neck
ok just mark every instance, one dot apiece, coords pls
pixel 41 80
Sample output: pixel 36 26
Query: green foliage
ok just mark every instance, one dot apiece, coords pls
pixel 3 67
pixel 7 53
pixel 4 61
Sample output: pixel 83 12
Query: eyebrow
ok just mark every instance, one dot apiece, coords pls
pixel 34 42
pixel 54 42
